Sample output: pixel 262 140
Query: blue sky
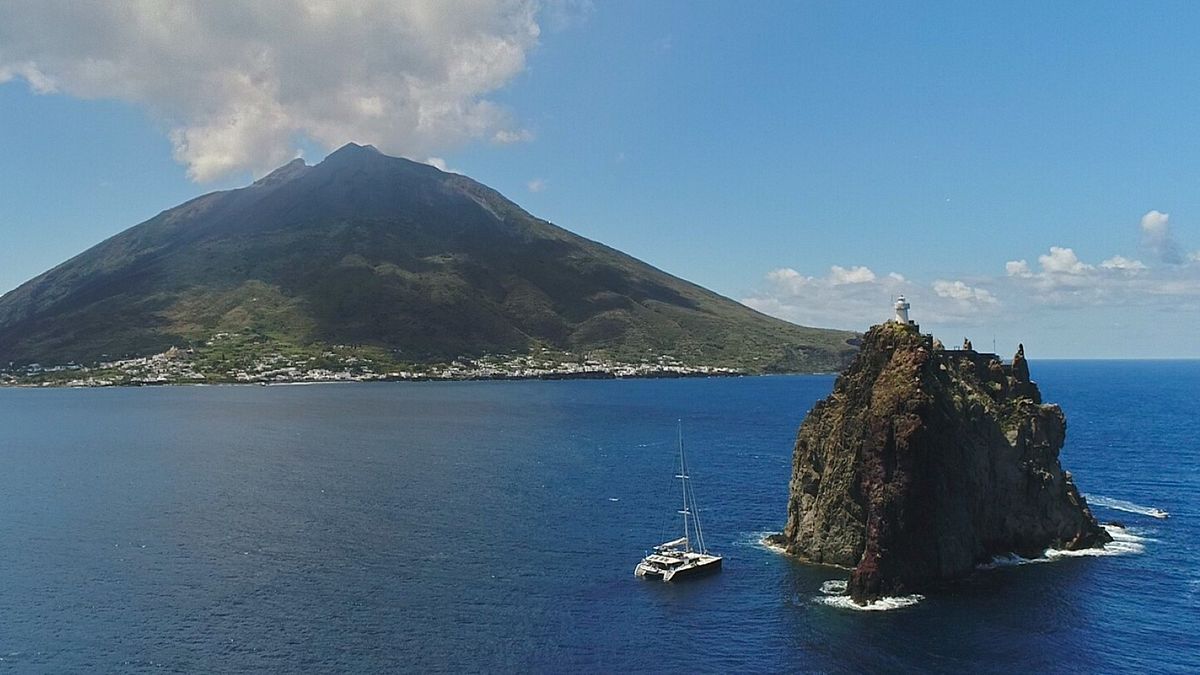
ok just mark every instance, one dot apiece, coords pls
pixel 1022 172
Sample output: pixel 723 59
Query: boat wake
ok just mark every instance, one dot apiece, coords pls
pixel 833 594
pixel 1127 507
pixel 1124 543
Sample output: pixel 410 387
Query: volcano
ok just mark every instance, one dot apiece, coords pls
pixel 368 249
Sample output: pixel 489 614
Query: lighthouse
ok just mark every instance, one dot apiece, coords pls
pixel 902 311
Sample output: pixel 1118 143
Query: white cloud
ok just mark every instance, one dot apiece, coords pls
pixel 440 164
pixel 1063 279
pixel 1067 281
pixel 854 275
pixel 1062 295
pixel 509 136
pixel 1062 260
pixel 855 298
pixel 1156 231
pixel 789 280
pixel 1120 262
pixel 1155 222
pixel 957 290
pixel 536 185
pixel 1194 256
pixel 832 300
pixel 28 71
pixel 237 83
pixel 1017 268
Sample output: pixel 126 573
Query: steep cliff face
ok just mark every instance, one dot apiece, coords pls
pixel 924 462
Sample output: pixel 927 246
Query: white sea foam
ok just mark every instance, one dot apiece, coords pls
pixel 773 548
pixel 833 594
pixel 759 540
pixel 880 605
pixel 1124 543
pixel 834 587
pixel 1127 507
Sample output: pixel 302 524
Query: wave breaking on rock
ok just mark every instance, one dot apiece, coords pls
pixel 834 595
pixel 1123 542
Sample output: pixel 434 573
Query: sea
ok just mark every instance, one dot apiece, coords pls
pixel 494 527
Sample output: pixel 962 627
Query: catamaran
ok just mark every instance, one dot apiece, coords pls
pixel 687 556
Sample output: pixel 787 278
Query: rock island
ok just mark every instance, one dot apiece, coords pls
pixel 925 462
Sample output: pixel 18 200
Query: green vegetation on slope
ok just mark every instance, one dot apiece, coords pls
pixel 381 253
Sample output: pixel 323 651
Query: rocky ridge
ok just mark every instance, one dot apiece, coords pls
pixel 926 462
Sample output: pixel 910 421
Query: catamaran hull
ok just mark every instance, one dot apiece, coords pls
pixel 689 572
pixel 644 573
pixel 696 571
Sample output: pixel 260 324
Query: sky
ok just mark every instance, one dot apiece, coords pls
pixel 1022 172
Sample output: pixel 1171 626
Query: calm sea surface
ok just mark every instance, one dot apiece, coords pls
pixel 495 526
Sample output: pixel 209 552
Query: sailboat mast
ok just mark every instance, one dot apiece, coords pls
pixel 683 482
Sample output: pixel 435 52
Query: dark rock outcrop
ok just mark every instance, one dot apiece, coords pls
pixel 925 462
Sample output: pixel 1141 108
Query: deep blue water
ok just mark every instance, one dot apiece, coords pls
pixel 495 526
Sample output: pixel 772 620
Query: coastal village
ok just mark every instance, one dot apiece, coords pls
pixel 341 363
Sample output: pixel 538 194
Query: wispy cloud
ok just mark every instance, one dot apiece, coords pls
pixel 1065 280
pixel 536 185
pixel 957 290
pixel 510 136
pixel 1018 268
pixel 1120 262
pixel 237 83
pixel 854 297
pixel 440 164
pixel 564 14
pixel 854 275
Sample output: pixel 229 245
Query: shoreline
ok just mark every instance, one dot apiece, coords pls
pixel 547 377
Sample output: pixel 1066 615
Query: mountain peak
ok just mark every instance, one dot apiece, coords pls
pixel 292 169
pixel 355 150
pixel 353 155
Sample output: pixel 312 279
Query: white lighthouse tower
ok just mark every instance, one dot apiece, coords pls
pixel 901 311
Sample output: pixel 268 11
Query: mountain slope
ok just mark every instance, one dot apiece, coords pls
pixel 367 249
